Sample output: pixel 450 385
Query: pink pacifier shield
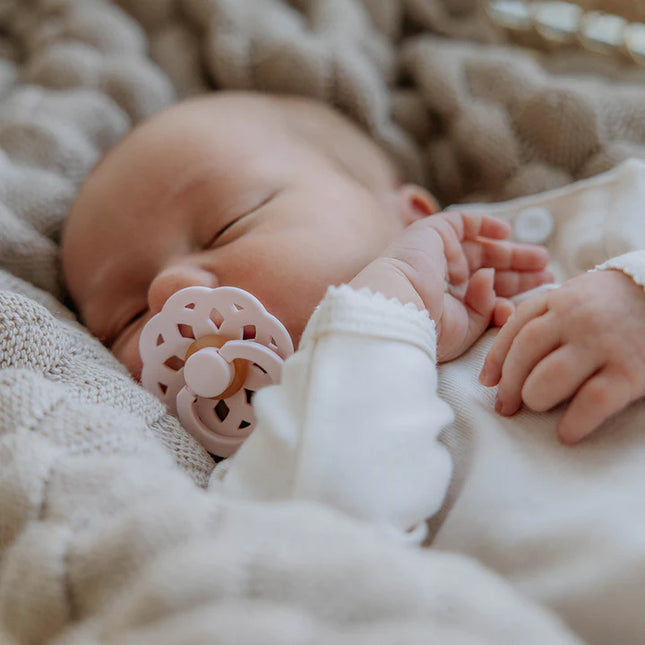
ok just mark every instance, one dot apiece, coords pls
pixel 205 354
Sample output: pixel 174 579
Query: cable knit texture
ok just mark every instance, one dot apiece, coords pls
pixel 105 532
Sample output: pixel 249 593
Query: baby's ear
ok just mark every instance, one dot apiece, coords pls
pixel 415 202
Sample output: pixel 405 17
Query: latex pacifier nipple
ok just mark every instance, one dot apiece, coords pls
pixel 205 354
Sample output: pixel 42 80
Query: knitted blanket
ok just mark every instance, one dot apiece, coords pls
pixel 107 533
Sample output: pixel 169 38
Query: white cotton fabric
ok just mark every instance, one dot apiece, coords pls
pixel 631 264
pixel 563 524
pixel 594 220
pixel 355 421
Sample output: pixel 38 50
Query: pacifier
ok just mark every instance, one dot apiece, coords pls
pixel 205 354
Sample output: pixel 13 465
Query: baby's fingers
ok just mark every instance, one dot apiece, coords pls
pixel 480 299
pixel 602 396
pixel 528 355
pixel 504 256
pixel 470 225
pixel 478 305
pixel 502 311
pixel 510 283
pixel 529 309
pixel 482 225
pixel 558 376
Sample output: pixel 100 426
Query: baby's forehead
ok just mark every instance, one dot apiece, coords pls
pixel 198 129
pixel 224 131
pixel 253 118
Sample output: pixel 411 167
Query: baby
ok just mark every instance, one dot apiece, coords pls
pixel 283 198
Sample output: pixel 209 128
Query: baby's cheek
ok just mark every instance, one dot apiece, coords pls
pixel 128 354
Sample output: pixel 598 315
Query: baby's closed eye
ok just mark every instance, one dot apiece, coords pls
pixel 216 240
pixel 125 330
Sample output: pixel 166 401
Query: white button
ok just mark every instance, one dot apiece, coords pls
pixel 533 225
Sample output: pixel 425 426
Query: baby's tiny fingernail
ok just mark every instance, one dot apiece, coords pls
pixel 483 375
pixel 498 405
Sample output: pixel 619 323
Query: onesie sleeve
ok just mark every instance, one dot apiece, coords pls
pixel 355 421
pixel 632 264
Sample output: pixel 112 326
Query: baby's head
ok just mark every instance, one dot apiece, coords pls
pixel 279 196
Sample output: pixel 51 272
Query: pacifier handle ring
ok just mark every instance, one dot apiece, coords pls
pixel 240 366
pixel 215 443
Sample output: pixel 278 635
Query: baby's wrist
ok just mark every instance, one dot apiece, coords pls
pixel 383 277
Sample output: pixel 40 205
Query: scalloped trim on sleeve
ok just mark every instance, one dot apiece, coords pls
pixel 367 313
pixel 631 264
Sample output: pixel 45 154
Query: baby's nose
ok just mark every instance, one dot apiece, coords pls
pixel 174 278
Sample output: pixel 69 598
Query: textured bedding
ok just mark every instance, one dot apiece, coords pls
pixel 107 531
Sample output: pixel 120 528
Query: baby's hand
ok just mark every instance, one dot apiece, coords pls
pixel 456 265
pixel 584 340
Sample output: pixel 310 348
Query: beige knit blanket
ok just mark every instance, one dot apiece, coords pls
pixel 107 534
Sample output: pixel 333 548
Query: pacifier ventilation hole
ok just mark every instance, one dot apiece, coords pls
pixel 186 331
pixel 221 410
pixel 174 363
pixel 216 317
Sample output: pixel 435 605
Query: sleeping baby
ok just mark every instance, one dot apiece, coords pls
pixel 280 197
pixel 286 199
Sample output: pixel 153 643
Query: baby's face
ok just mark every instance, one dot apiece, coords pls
pixel 221 191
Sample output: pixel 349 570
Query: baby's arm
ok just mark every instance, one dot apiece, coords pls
pixel 355 421
pixel 584 340
pixel 461 268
